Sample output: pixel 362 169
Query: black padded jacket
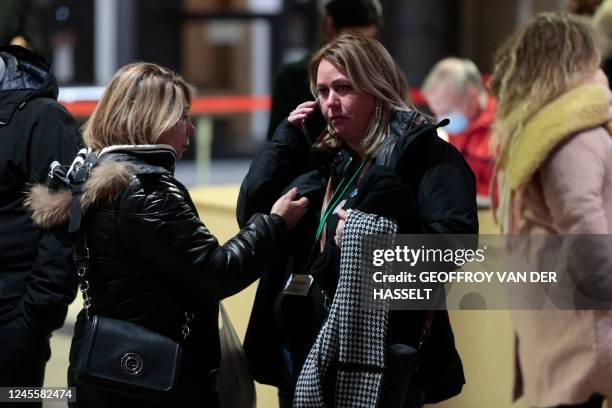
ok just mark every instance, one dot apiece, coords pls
pixel 152 259
pixel 445 195
pixel 35 130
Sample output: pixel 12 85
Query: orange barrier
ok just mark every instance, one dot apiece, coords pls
pixel 203 105
pixel 216 105
pixel 229 104
pixel 81 109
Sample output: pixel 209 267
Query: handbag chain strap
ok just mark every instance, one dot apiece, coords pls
pixel 81 258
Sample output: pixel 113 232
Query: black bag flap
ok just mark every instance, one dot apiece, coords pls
pixel 126 357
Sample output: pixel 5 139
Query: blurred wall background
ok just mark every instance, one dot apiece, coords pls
pixel 234 47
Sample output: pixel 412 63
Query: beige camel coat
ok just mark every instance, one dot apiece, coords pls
pixel 562 357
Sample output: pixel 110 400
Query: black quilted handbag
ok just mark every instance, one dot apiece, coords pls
pixel 123 357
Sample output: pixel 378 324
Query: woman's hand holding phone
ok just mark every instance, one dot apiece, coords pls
pixel 308 117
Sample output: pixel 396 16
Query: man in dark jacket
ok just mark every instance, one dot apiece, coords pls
pixel 291 84
pixel 36 282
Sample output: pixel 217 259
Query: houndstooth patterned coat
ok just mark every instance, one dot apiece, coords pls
pixel 353 336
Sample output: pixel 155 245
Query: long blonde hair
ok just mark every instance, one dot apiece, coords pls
pixel 141 102
pixel 546 58
pixel 371 69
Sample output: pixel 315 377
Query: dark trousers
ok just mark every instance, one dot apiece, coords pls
pixel 23 356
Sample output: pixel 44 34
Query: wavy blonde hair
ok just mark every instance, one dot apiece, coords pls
pixel 548 57
pixel 371 69
pixel 140 103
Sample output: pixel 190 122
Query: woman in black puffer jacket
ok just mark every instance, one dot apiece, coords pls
pixel 370 131
pixel 151 257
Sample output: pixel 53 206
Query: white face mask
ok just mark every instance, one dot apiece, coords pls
pixel 458 122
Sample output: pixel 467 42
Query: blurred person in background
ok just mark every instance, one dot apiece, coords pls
pixel 373 137
pixel 454 90
pixel 603 21
pixel 18 25
pixel 291 83
pixel 554 170
pixel 583 7
pixel 151 259
pixel 36 278
pixel 601 13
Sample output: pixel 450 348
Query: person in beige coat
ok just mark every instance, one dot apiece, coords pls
pixel 554 173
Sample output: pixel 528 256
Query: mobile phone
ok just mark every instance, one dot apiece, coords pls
pixel 315 124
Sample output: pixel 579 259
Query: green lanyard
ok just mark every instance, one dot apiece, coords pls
pixel 333 201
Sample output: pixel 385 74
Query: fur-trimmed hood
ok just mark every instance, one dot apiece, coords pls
pixel 116 167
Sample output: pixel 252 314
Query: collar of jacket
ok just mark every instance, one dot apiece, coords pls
pixel 586 107
pixel 115 169
pixel 145 159
pixel 405 128
pixel 27 76
pixel 582 108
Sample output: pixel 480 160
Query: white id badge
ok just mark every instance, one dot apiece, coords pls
pixel 298 284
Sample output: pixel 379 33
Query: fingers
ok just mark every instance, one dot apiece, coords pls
pixel 301 112
pixel 302 205
pixel 290 209
pixel 339 232
pixel 302 202
pixel 308 104
pixel 291 194
pixel 338 240
pixel 298 115
pixel 303 108
pixel 342 215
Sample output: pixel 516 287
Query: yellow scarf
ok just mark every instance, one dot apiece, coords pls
pixel 585 107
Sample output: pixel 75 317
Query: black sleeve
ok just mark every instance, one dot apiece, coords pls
pixel 447 200
pixel 51 286
pixel 165 232
pixel 53 136
pixel 444 184
pixel 278 162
